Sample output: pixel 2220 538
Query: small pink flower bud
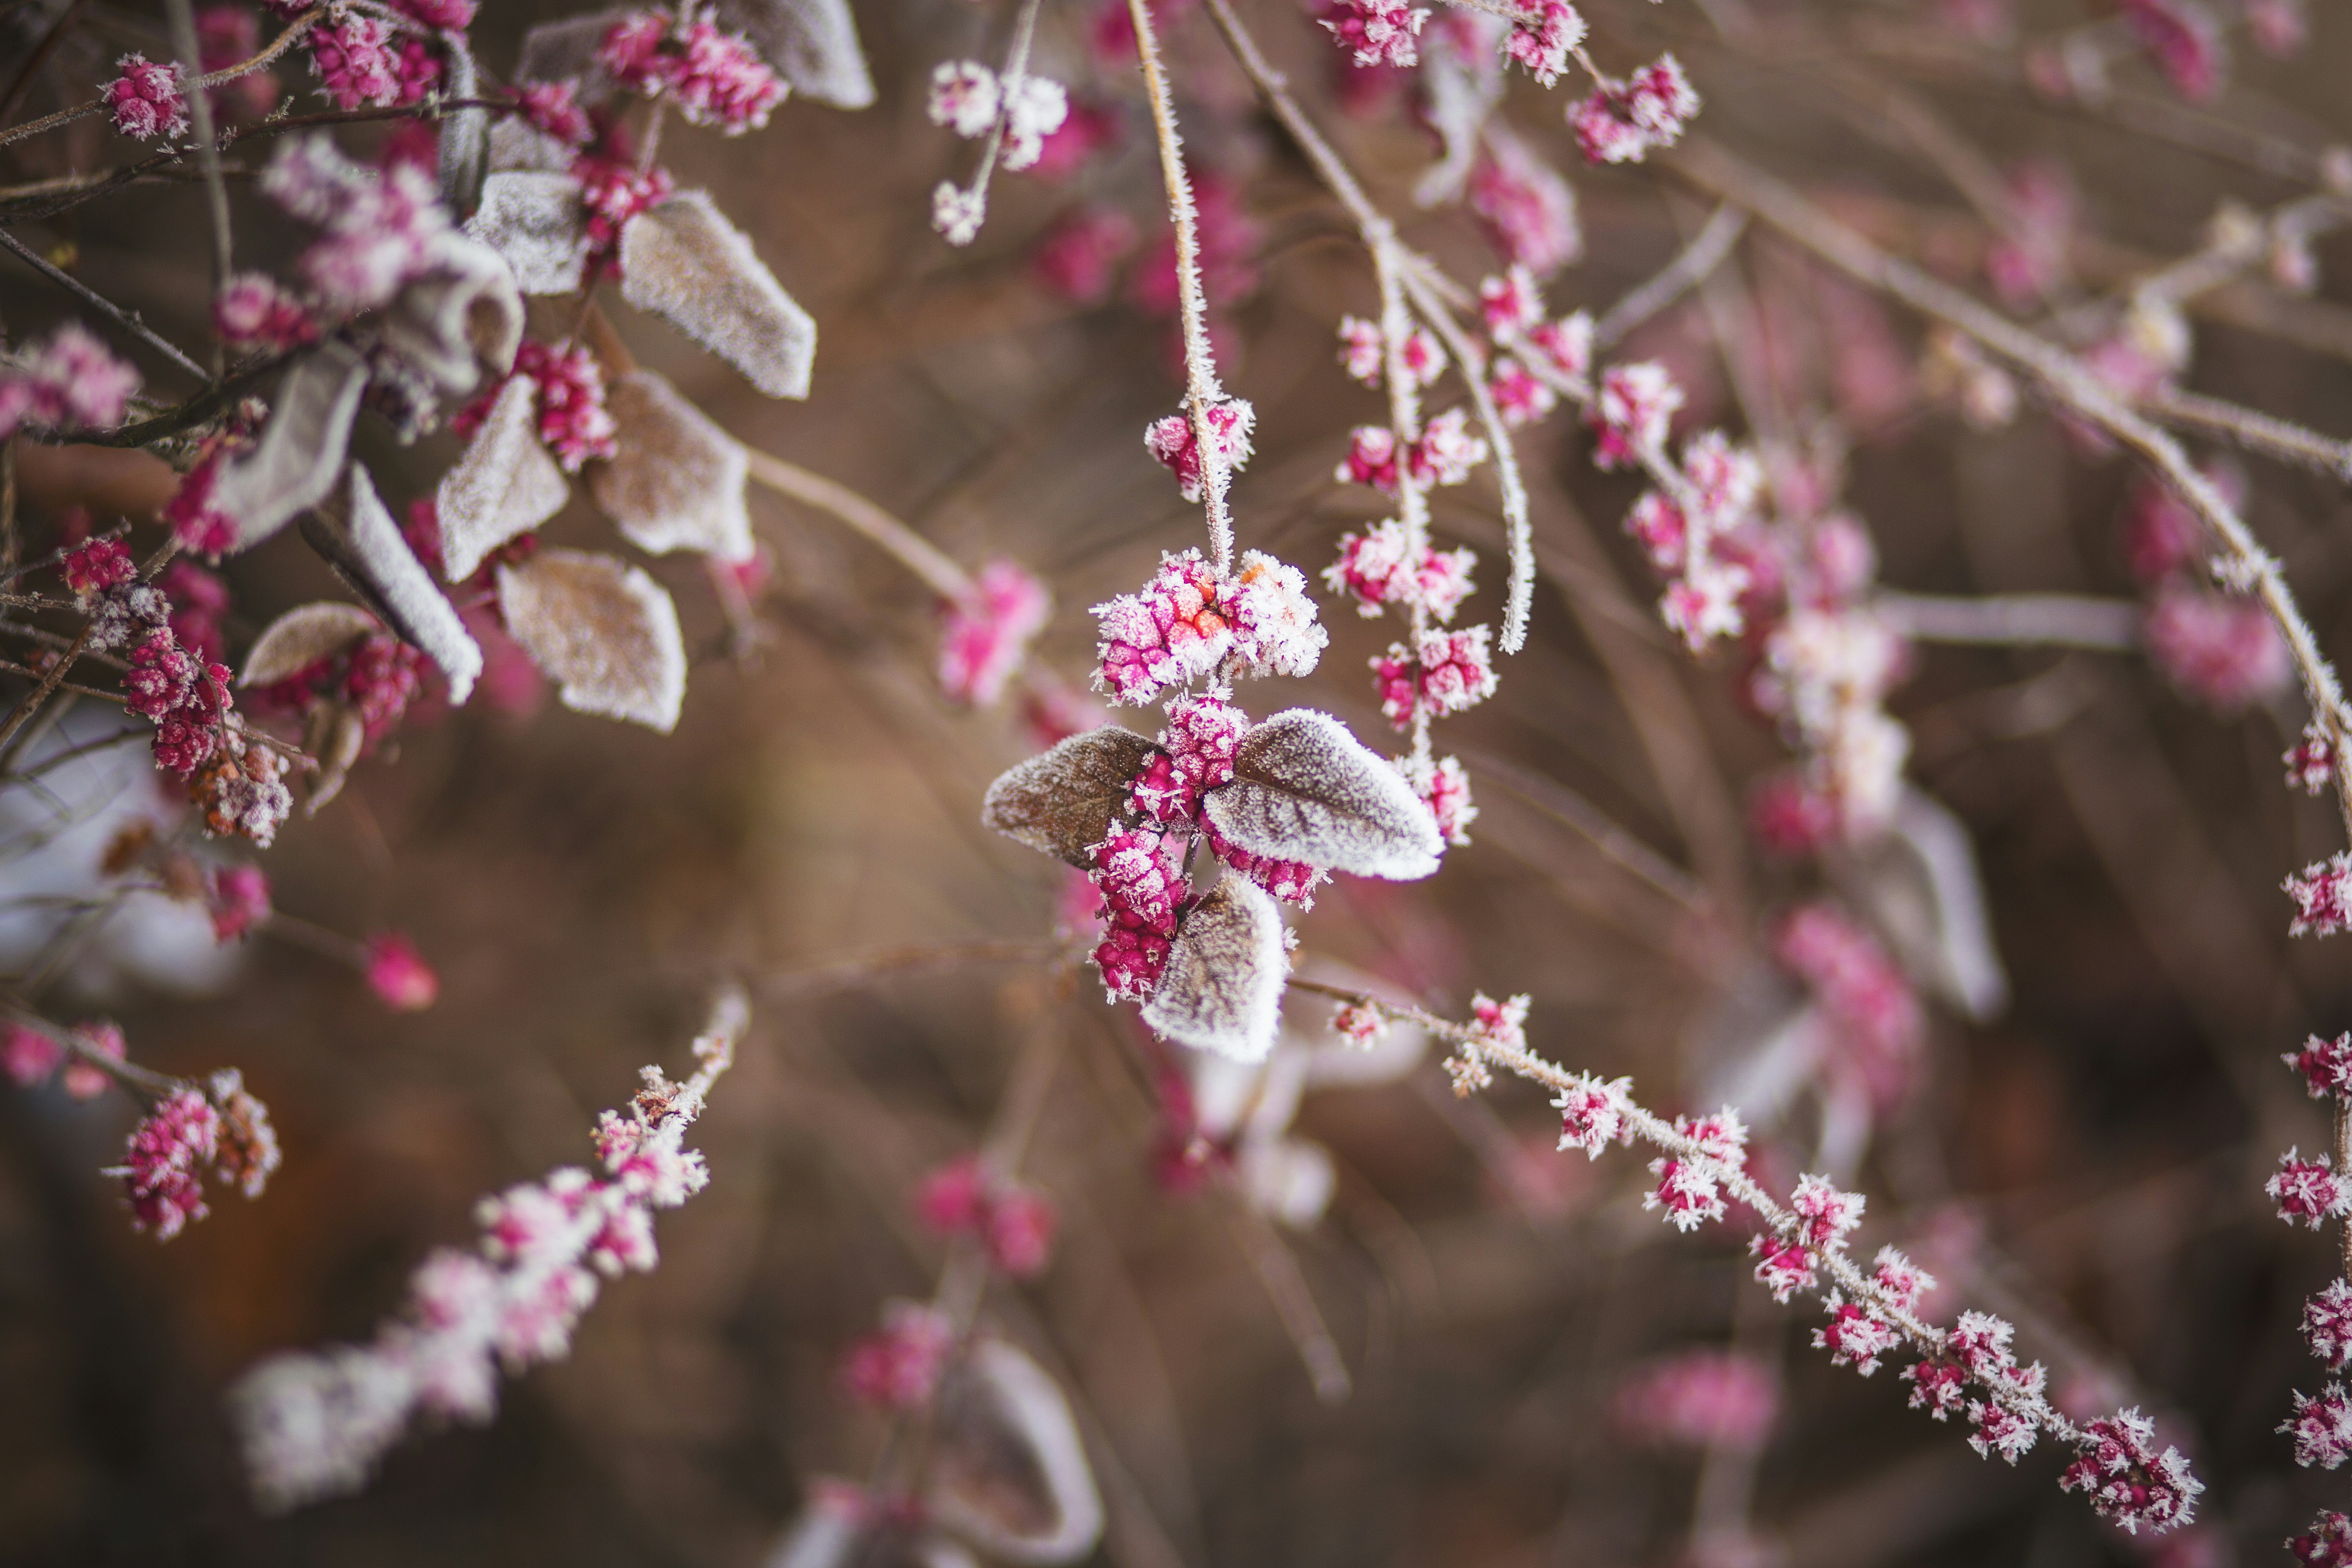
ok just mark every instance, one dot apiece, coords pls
pixel 398 974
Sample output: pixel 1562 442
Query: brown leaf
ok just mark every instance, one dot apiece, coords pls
pixel 295 463
pixel 334 738
pixel 535 221
pixel 504 486
pixel 812 44
pixel 366 550
pixel 603 630
pixel 1008 1470
pixel 1304 789
pixel 683 260
pixel 1063 801
pixel 674 480
pixel 303 637
pixel 1221 990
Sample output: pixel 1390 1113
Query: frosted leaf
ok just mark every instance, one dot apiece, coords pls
pixel 516 145
pixel 334 738
pixel 535 222
pixel 366 550
pixel 605 632
pixel 812 44
pixel 295 464
pixel 566 51
pixel 464 132
pixel 462 318
pixel 683 260
pixel 302 637
pixel 1920 883
pixel 1009 1471
pixel 1221 990
pixel 1063 801
pixel 504 485
pixel 1304 789
pixel 674 480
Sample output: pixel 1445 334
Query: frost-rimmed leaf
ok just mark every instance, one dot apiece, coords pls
pixel 565 50
pixel 1063 801
pixel 684 261
pixel 603 630
pixel 334 738
pixel 812 44
pixel 303 637
pixel 464 132
pixel 295 464
pixel 1304 789
pixel 515 144
pixel 1920 883
pixel 674 480
pixel 464 317
pixel 1008 1470
pixel 535 222
pixel 504 485
pixel 1221 990
pixel 366 550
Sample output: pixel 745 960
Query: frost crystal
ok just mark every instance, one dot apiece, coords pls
pixel 1378 32
pixel 963 97
pixel 2307 1190
pixel 1544 41
pixel 145 100
pixel 2323 896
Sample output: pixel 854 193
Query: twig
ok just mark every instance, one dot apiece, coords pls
pixel 2255 431
pixel 31 704
pixel 183 17
pixel 128 319
pixel 911 549
pixel 1201 391
pixel 39 57
pixel 2056 620
pixel 1702 256
pixel 295 32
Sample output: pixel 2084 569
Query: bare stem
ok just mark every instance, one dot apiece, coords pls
pixel 2054 620
pixel 1201 391
pixel 1689 267
pixel 127 319
pixel 910 548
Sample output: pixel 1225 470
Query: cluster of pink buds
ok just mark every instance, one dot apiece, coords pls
pixel 1622 121
pixel 2311 761
pixel 253 312
pixel 1690 1181
pixel 1445 453
pixel 31 1056
pixel 237 899
pixel 2221 648
pixel 398 974
pixel 67 383
pixel 1545 40
pixel 1877 1024
pixel 313 1424
pixel 1174 441
pixel 1527 211
pixel 1824 1217
pixel 2323 896
pixel 971 99
pixel 2128 1483
pixel 187 698
pixel 1015 1224
pixel 897 1366
pixel 1442 672
pixel 122 608
pixel 1378 32
pixel 1189 621
pixel 1373 568
pixel 1141 890
pixel 2183 39
pixel 364 62
pixel 1858 1333
pixel 715 77
pixel 987 632
pixel 573 422
pixel 145 100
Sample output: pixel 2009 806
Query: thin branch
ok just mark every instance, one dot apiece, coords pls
pixel 2054 620
pixel 1201 391
pixel 911 549
pixel 39 57
pixel 2255 431
pixel 296 31
pixel 32 701
pixel 1702 256
pixel 128 319
pixel 183 17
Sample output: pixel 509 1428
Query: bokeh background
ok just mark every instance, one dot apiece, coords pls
pixel 2088 1162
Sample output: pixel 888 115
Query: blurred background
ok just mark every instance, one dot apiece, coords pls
pixel 2086 1160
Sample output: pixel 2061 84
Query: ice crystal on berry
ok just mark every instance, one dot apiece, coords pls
pixel 1378 32
pixel 145 100
pixel 987 632
pixel 2323 896
pixel 2307 1190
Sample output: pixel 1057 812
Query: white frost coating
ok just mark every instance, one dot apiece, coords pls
pixel 998 1409
pixel 683 260
pixel 535 221
pixel 303 637
pixel 464 316
pixel 504 485
pixel 674 480
pixel 603 630
pixel 295 464
pixel 812 44
pixel 419 610
pixel 1304 789
pixel 1221 990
